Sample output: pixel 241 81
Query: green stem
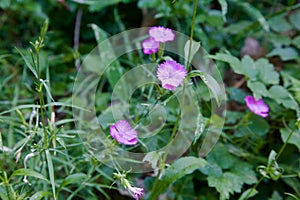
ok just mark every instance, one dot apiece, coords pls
pixel 285 143
pixel 192 33
pixel 276 158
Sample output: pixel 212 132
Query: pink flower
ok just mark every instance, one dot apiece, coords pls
pixel 150 46
pixel 258 107
pixel 123 133
pixel 137 192
pixel 171 74
pixel 161 34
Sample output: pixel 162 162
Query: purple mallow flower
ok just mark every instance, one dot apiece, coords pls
pixel 258 107
pixel 123 133
pixel 171 74
pixel 161 34
pixel 150 46
pixel 137 192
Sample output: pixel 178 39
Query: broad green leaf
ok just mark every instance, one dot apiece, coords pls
pixel 249 69
pixel 221 156
pixel 153 158
pixel 51 171
pixel 295 138
pixel 226 184
pixel 259 89
pixel 282 96
pixel 190 50
pixel 254 13
pixel 236 94
pixel 296 41
pixel 96 5
pixel 233 116
pixel 234 62
pixel 247 195
pixel 39 195
pixel 279 23
pixel 245 172
pixel 278 40
pixel 224 8
pixel 177 170
pixel 285 53
pixel 256 128
pixel 107 56
pixel 28 63
pixel 294 19
pixel 28 172
pixel 267 74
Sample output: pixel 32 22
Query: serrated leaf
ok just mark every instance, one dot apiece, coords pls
pixel 295 138
pixel 249 69
pixel 177 170
pixel 220 156
pixel 233 61
pixel 226 184
pixel 267 74
pixel 285 53
pixel 282 96
pixel 259 89
pixel 28 172
pixel 190 49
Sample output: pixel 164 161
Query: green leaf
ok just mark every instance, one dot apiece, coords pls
pixel 275 196
pixel 246 194
pixel 295 138
pixel 28 172
pixel 72 179
pixel 4 4
pixel 279 23
pixel 233 61
pixel 249 69
pixel 296 41
pixel 285 53
pixel 39 195
pixel 282 96
pixel 51 171
pixel 177 170
pixel 294 19
pixel 28 63
pixel 259 89
pixel 226 184
pixel 224 8
pixel 254 13
pixel 238 27
pixel 96 5
pixel 256 128
pixel 220 156
pixel 267 74
pixel 233 116
pixel 194 48
pixel 236 94
pixel 214 18
pixel 148 3
pixel 107 56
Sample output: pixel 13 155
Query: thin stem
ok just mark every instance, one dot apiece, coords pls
pixel 285 143
pixel 192 33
